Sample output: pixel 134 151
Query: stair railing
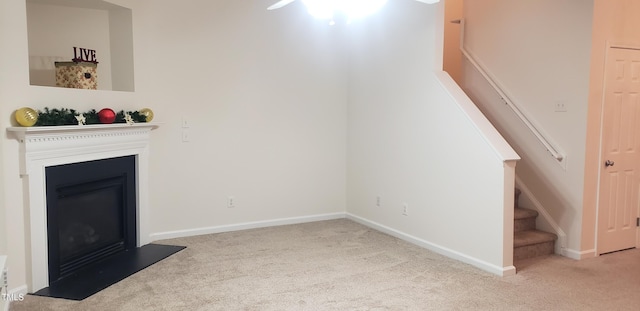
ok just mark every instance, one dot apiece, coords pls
pixel 558 156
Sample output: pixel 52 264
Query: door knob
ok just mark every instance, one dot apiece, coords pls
pixel 609 163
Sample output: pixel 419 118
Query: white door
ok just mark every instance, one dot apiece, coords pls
pixel 619 177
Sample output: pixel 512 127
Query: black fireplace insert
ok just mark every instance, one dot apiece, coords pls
pixel 91 213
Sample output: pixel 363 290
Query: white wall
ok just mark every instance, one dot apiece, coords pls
pixel 14 79
pixel 539 52
pixel 4 33
pixel 409 142
pixel 264 94
pixel 452 60
pixel 55 30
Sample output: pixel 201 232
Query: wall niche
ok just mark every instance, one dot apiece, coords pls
pixel 55 27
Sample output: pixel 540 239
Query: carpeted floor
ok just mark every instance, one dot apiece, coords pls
pixel 342 265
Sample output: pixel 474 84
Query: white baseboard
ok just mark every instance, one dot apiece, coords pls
pixel 20 290
pixel 244 226
pixel 500 271
pixel 579 255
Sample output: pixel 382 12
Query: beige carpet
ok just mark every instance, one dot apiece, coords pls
pixel 342 265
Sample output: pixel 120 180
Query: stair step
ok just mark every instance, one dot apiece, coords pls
pixel 524 219
pixel 527 241
pixel 533 243
pixel 533 251
pixel 522 213
pixel 530 237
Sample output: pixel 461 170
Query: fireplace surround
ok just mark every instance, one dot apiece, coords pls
pixel 45 147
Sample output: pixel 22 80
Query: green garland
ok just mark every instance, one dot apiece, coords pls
pixel 64 116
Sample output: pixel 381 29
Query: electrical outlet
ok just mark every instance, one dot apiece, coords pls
pixel 231 202
pixel 378 204
pixel 405 209
pixel 560 106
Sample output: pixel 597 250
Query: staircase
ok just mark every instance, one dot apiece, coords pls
pixel 527 241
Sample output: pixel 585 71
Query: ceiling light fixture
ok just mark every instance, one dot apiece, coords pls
pixel 351 9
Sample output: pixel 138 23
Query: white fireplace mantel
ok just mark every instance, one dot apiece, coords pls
pixel 41 147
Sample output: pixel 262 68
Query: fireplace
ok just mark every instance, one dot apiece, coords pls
pixel 86 190
pixel 44 148
pixel 91 213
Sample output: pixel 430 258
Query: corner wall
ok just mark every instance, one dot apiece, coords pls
pixel 410 143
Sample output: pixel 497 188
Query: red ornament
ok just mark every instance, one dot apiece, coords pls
pixel 106 116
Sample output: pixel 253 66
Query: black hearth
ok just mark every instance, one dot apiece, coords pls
pixel 91 213
pixel 91 227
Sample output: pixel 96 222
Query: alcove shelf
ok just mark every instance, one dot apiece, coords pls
pixel 55 27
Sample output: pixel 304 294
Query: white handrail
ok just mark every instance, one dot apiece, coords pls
pixel 554 152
